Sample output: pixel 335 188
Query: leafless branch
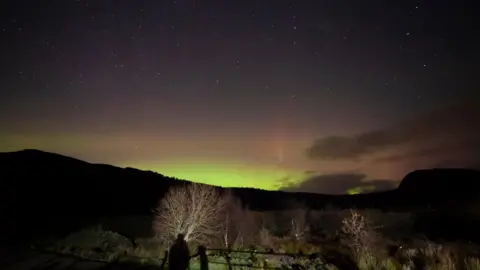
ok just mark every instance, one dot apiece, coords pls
pixel 362 235
pixel 239 223
pixel 193 209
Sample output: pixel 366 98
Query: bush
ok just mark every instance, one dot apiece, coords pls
pixel 147 247
pixel 94 243
pixel 361 241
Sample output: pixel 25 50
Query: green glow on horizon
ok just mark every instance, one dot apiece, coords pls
pixel 359 190
pixel 234 175
pixel 227 175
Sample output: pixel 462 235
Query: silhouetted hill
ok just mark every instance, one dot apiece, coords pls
pixel 48 183
pixel 51 180
pixel 37 186
pixel 43 192
pixel 456 182
pixel 441 187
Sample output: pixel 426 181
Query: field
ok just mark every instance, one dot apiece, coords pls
pixel 330 239
pixel 235 237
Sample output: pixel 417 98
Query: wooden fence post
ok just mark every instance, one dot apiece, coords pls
pixel 227 257
pixel 165 258
pixel 202 253
pixel 265 264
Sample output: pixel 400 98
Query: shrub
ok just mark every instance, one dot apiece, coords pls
pixel 94 243
pixel 361 235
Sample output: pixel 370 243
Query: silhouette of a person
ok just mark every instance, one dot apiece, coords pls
pixel 179 255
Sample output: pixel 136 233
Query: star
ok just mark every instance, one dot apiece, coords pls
pixel 109 70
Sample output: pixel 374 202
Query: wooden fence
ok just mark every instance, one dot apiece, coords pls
pixel 260 262
pixel 251 259
pixel 232 259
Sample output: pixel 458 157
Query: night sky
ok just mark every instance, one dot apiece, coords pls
pixel 320 95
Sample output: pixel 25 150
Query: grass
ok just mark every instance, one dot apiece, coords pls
pixel 359 241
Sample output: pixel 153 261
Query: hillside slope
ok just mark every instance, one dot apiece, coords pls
pixel 40 188
pixel 51 184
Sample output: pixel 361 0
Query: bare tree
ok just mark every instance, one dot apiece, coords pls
pixel 298 224
pixel 239 223
pixel 193 209
pixel 266 239
pixel 231 204
pixel 360 231
pixel 299 229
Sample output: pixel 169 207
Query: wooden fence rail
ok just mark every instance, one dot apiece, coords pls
pixel 221 253
pixel 227 255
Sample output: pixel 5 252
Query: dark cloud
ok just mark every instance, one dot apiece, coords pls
pixel 456 152
pixel 452 129
pixel 339 184
pixel 456 163
pixel 338 147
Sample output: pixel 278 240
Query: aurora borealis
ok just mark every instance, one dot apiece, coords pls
pixel 318 96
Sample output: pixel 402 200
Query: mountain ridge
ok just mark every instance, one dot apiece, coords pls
pixel 54 168
pixel 47 192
